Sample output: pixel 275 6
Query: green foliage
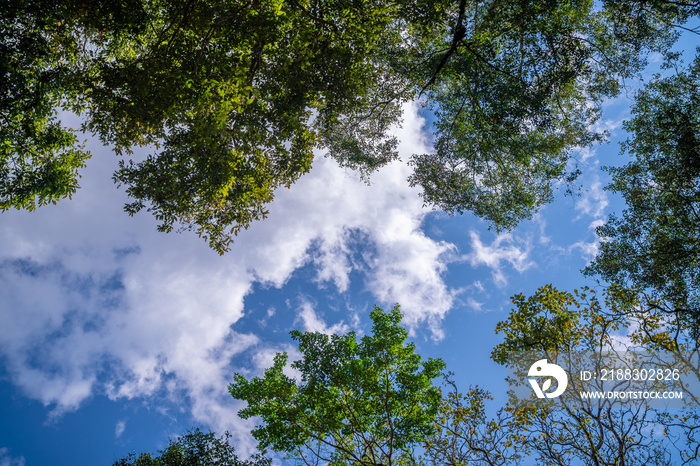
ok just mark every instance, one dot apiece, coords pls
pixel 555 321
pixel 510 102
pixel 655 244
pixel 234 96
pixel 516 87
pixel 571 429
pixel 365 402
pixel 194 449
pixel 233 92
pixel 39 160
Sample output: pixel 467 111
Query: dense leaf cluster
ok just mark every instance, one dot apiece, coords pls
pixel 39 159
pixel 234 95
pixel 366 402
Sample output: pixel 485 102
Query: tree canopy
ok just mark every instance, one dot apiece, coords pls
pixel 195 448
pixel 39 159
pixel 233 96
pixel 368 402
pixel 655 243
pixel 371 403
pixel 574 429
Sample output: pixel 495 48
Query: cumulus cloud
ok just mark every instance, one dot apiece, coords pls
pixel 331 208
pixel 96 302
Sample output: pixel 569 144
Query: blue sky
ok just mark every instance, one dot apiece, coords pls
pixel 114 337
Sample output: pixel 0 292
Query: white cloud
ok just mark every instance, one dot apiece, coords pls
pixel 502 250
pixel 330 206
pixel 7 460
pixel 588 249
pixel 119 428
pixel 408 269
pixel 474 305
pixel 585 153
pixel 264 357
pixel 607 125
pixel 313 323
pixel 97 302
pixel 593 201
pixel 541 223
pixel 596 223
